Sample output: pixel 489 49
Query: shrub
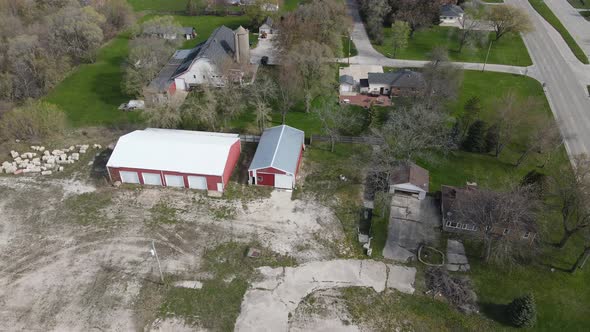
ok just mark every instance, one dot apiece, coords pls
pixel 522 311
pixel 456 289
pixel 34 120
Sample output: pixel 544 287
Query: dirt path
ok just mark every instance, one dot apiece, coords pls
pixel 268 303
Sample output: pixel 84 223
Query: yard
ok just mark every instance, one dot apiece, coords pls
pixel 158 5
pixel 580 4
pixel 509 50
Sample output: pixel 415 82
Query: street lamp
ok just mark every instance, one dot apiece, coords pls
pixel 154 253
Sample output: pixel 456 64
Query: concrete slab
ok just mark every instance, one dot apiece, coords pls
pixel 456 258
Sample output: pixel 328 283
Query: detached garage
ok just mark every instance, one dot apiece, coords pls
pixel 175 158
pixel 277 157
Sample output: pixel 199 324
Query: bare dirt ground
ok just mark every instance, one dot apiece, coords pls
pixel 75 255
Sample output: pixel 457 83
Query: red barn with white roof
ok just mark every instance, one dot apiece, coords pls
pixel 175 158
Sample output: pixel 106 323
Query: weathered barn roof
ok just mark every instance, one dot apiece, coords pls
pixel 450 10
pixel 188 30
pixel 279 147
pixel 347 79
pixel 412 174
pixel 184 151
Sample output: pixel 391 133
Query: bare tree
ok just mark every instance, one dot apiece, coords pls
pixel 443 79
pixel 400 32
pixel 203 109
pixel 416 131
pixel 508 19
pixel 145 60
pixel 286 91
pixel 33 120
pixel 544 139
pixel 489 210
pixel 418 13
pixel 471 25
pixel 571 188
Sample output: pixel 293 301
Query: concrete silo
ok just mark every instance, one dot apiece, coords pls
pixel 242 45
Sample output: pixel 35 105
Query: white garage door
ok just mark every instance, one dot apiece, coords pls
pixel 283 181
pixel 174 180
pixel 129 177
pixel 153 179
pixel 197 182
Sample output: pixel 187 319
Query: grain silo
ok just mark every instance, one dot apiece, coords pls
pixel 242 45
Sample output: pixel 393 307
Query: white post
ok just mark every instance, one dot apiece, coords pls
pixel 155 254
pixel 487 55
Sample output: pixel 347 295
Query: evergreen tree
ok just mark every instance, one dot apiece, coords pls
pixel 471 111
pixel 475 140
pixel 492 138
pixel 522 311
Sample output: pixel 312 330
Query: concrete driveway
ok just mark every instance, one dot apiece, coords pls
pixel 411 223
pixel 264 48
pixel 267 303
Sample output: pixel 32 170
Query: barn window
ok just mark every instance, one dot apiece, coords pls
pixel 506 231
pixel 526 235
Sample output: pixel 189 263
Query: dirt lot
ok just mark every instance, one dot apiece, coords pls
pixel 75 254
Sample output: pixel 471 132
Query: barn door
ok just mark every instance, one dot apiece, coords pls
pixel 283 181
pixel 197 182
pixel 174 180
pixel 129 177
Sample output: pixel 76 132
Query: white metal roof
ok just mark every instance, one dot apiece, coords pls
pixel 182 151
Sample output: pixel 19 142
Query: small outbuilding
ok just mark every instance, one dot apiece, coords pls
pixel 175 158
pixel 267 27
pixel 189 33
pixel 410 178
pixel 450 13
pixel 277 158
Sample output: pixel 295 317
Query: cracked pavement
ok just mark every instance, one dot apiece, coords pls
pixel 268 302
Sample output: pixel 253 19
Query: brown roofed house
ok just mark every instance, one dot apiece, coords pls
pixel 409 178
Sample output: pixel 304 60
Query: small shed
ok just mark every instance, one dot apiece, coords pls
pixel 267 27
pixel 450 13
pixel 277 158
pixel 409 178
pixel 189 33
pixel 346 83
pixel 175 158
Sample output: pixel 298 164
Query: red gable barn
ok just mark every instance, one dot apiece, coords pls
pixel 277 157
pixel 175 158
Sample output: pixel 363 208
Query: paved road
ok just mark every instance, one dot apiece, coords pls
pixel 554 64
pixel 577 25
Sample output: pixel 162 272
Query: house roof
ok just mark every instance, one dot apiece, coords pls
pixel 346 79
pixel 184 151
pixel 220 45
pixel 450 10
pixel 268 22
pixel 404 78
pixel 164 77
pixel 279 147
pixel 188 30
pixel 412 174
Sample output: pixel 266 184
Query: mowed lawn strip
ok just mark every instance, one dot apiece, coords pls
pixel 158 5
pixel 509 50
pixel 580 4
pixel 550 17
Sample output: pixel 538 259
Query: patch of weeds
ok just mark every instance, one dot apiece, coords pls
pixel 246 193
pixel 216 305
pixel 162 213
pixel 394 311
pixel 85 208
pixel 223 212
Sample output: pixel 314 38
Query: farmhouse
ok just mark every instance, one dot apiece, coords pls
pixel 450 13
pixel 222 58
pixel 277 158
pixel 409 178
pixel 513 231
pixel 175 158
pixel 400 83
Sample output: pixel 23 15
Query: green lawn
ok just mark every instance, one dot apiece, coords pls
pixel 345 45
pixel 548 15
pixel 509 50
pixel 289 5
pixel 581 4
pixel 158 5
pixel 585 14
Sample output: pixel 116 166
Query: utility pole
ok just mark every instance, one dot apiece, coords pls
pixel 155 254
pixel 349 40
pixel 487 55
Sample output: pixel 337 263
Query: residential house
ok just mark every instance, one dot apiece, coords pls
pixel 451 13
pixel 400 83
pixel 267 27
pixel 189 33
pixel 221 58
pixel 514 231
pixel 410 179
pixel 270 7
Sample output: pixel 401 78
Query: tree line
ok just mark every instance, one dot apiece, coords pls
pixel 40 41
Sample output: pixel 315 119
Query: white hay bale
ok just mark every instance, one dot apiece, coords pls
pixel 60 169
pixel 75 156
pixel 46 173
pixel 13 154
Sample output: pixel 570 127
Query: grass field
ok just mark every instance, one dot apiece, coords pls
pixel 581 4
pixel 509 50
pixel 158 5
pixel 548 15
pixel 585 14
